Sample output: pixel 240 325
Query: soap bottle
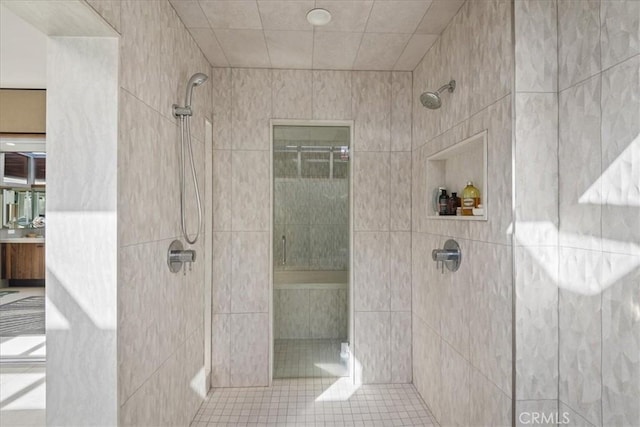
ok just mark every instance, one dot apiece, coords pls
pixel 436 200
pixel 470 199
pixel 443 202
pixel 454 203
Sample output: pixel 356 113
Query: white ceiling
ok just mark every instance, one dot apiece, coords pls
pixel 362 34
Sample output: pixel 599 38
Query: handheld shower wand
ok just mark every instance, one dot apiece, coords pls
pixel 184 114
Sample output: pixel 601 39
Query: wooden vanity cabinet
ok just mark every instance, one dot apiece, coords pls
pixel 23 260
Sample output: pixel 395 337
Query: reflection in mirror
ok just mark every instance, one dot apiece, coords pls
pixel 23 208
pixel 23 173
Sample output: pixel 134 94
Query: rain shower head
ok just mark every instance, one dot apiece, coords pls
pixel 432 100
pixel 196 80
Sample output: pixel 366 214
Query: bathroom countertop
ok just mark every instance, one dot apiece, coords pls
pixel 22 240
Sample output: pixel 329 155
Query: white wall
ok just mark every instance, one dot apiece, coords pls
pixel 81 214
pixel 23 53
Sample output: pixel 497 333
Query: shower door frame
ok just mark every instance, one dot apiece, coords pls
pixel 350 307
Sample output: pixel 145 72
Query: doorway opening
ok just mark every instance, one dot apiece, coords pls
pixel 311 249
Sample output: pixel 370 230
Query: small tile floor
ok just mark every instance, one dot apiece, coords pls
pixel 297 358
pixel 314 402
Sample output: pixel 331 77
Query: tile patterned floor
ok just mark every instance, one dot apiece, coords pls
pixel 314 402
pixel 308 358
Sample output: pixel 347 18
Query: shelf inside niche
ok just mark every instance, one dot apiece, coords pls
pixel 453 167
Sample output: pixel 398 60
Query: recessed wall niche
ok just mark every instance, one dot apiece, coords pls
pixel 452 168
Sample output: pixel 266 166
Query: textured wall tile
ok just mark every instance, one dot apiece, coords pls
pixel 421 198
pixel 621 346
pixel 579 156
pixel 400 190
pixel 222 187
pixel 580 353
pixel 221 95
pixel 372 110
pixel 250 350
pixel 140 157
pixel 221 280
pixel 400 271
pixel 291 313
pixel 578 41
pixel 371 191
pixel 489 406
pixel 491 52
pixel 249 272
pixel 371 271
pixel 161 400
pixel 427 285
pixel 109 9
pixel 574 418
pixel 221 351
pixel 297 193
pixel 426 365
pixel 299 245
pixel 525 410
pixel 537 322
pixel 620 178
pixel 537 168
pixel 250 205
pixel 401 106
pixel 292 94
pixel 497 120
pixel 454 399
pixel 581 270
pixel 332 95
pixel 620 26
pixel 372 349
pixel 330 202
pixel 536 46
pixel 328 313
pixel 461 293
pixel 401 347
pixel 149 321
pixel 251 108
pixel 158 55
pixel 490 327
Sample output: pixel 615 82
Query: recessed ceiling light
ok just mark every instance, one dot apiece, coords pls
pixel 318 17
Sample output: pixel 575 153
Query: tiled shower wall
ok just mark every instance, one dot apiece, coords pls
pixel 462 321
pixel 536 197
pixel 160 329
pixel 313 214
pixel 578 252
pixel 379 103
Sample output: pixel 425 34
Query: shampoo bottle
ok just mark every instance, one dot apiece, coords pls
pixel 443 203
pixel 470 199
pixel 454 203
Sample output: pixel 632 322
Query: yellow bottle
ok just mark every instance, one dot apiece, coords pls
pixel 470 199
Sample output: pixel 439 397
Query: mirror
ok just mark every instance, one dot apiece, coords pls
pixel 21 207
pixel 23 173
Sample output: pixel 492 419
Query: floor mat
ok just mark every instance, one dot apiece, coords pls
pixel 22 317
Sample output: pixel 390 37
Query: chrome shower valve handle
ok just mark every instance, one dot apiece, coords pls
pixel 450 256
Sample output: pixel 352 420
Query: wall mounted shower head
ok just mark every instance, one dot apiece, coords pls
pixel 196 80
pixel 432 100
